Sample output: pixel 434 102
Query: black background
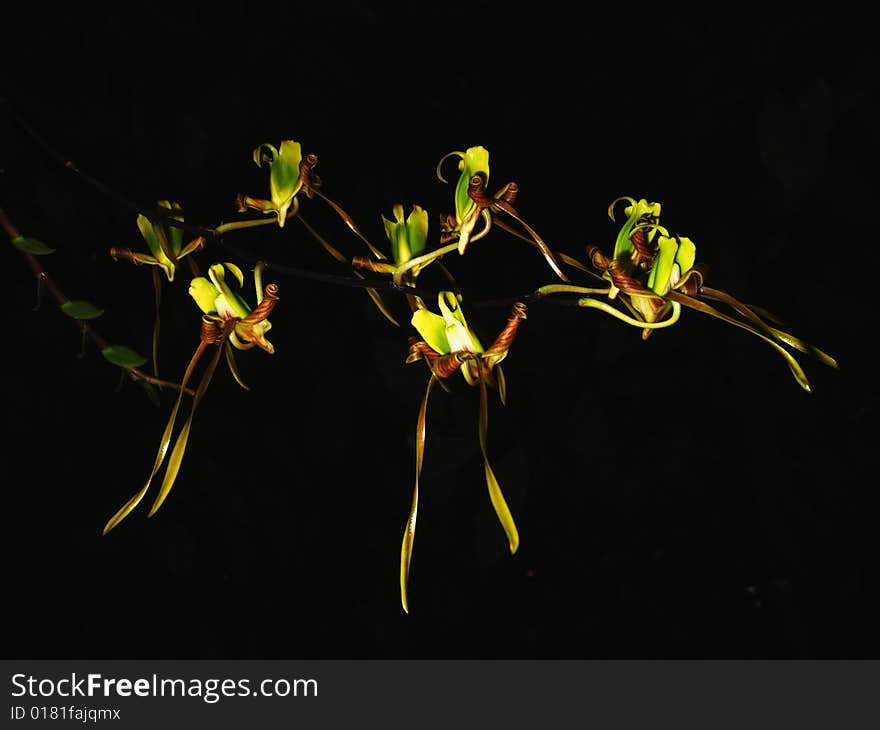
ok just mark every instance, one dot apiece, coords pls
pixel 680 497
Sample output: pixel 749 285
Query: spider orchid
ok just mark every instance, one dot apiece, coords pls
pixel 215 297
pixel 288 174
pixel 227 322
pixel 448 346
pixel 473 202
pixel 655 275
pixel 407 237
pixel 165 242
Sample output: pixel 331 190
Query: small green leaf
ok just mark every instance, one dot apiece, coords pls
pixel 79 309
pixel 32 246
pixel 122 356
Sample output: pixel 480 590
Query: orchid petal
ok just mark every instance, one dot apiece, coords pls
pixel 793 365
pixel 259 158
pixel 233 368
pixel 537 240
pixel 623 247
pixel 409 532
pixel 432 328
pixel 175 234
pixel 750 313
pixel 608 309
pixel 123 511
pixel 236 272
pixel 686 254
pixel 149 233
pixel 495 494
pixel 174 461
pixel 417 230
pixel 443 159
pixel 501 384
pixel 460 337
pixel 204 293
pixel 661 271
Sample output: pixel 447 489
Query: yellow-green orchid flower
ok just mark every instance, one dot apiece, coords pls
pixel 214 296
pixel 448 333
pixel 473 202
pixel 655 275
pixel 165 242
pixel 226 319
pixel 285 180
pixel 473 164
pixel 407 236
pixel 448 345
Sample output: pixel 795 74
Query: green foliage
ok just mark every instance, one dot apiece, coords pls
pixel 79 309
pixel 123 356
pixel 31 246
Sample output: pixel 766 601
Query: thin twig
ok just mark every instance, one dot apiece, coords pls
pixel 49 283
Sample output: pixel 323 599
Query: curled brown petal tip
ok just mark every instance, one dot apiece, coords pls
pixel 442 366
pixel 692 282
pixel 419 349
pixel 447 222
pixel 509 193
pixel 639 240
pixel 626 283
pixel 598 259
pixel 307 175
pixel 446 365
pixel 265 307
pixel 241 203
pixel 498 351
pixel 211 332
pixel 477 191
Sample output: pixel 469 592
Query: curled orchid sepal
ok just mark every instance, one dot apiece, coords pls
pixel 654 273
pixel 474 203
pixel 227 322
pixel 448 345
